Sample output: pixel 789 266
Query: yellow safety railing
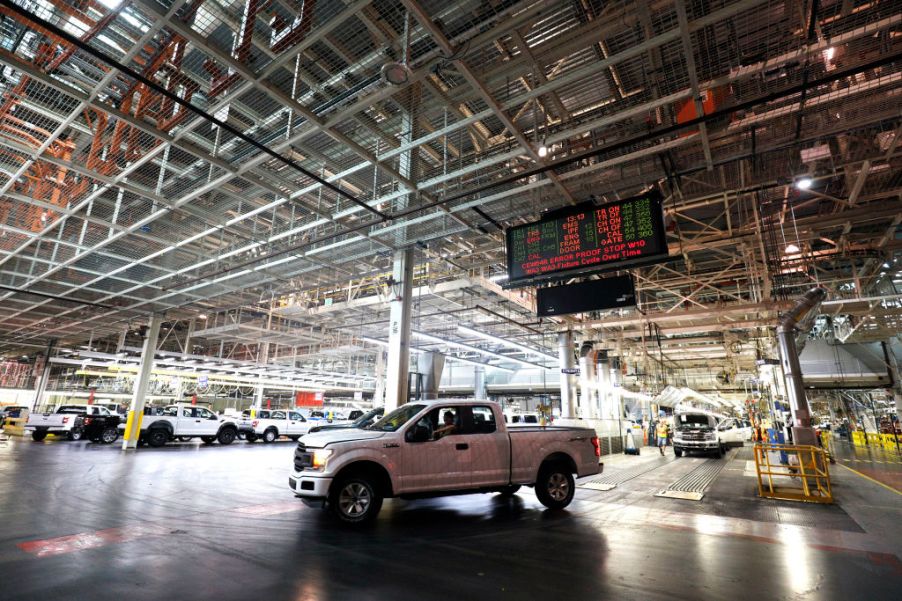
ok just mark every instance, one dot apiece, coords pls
pixel 889 441
pixel 793 473
pixel 15 425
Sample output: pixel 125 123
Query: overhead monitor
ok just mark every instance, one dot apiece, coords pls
pixel 587 238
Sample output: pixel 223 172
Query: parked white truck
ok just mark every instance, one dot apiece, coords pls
pixel 67 420
pixel 186 421
pixel 270 425
pixel 434 448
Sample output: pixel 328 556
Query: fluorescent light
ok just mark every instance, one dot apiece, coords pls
pixel 829 53
pixel 791 249
pixel 804 183
pixel 508 343
pixel 543 151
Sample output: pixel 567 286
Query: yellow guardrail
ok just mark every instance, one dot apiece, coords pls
pixel 793 473
pixel 15 426
pixel 858 438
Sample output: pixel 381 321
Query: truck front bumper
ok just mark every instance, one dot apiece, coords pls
pixel 309 486
pixel 697 445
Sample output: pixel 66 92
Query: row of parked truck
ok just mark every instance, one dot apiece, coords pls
pixel 182 421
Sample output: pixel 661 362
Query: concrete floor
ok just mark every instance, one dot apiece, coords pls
pixel 82 521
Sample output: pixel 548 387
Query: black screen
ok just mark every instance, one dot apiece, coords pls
pixel 594 295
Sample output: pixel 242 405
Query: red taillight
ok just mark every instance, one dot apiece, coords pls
pixel 65 420
pixel 254 423
pixel 87 420
pixel 597 446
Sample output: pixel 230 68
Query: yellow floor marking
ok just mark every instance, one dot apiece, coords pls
pixel 878 482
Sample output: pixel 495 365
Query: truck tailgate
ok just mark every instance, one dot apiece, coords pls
pixel 531 445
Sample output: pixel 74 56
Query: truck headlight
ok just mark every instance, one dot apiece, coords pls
pixel 320 456
pixel 710 436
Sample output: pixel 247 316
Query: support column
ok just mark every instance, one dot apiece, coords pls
pixel 399 330
pixel 568 381
pixel 136 410
pixel 187 350
pixel 41 384
pixel 605 398
pixel 480 391
pixel 588 389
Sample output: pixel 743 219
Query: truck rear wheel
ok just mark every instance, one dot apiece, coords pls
pixel 354 500
pixel 157 438
pixel 555 486
pixel 39 435
pixel 250 437
pixel 74 434
pixel 270 435
pixel 226 436
pixel 109 435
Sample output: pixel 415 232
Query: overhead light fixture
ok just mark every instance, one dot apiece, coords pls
pixel 804 183
pixel 505 342
pixel 886 266
pixel 791 249
pixel 829 53
pixel 396 74
pixel 543 150
pixel 202 316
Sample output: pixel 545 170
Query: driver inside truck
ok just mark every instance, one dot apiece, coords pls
pixel 450 426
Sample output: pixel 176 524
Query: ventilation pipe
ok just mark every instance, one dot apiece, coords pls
pixel 588 404
pixel 429 366
pixel 802 432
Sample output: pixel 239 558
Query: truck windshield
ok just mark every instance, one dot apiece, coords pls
pixel 367 418
pixel 396 418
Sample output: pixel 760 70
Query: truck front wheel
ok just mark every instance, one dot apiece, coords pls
pixel 354 500
pixel 250 437
pixel 678 451
pixel 555 486
pixel 74 434
pixel 270 435
pixel 39 435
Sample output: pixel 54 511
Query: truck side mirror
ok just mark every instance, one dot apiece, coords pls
pixel 417 434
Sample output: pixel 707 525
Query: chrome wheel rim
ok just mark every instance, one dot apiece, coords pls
pixel 354 500
pixel 558 487
pixel 108 436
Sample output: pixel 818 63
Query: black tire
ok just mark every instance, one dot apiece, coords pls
pixel 678 451
pixel 184 438
pixel 555 486
pixel 208 439
pixel 39 435
pixel 509 491
pixel 226 436
pixel 355 499
pixel 157 437
pixel 109 435
pixel 74 434
pixel 270 435
pixel 720 451
pixel 250 437
pixel 295 438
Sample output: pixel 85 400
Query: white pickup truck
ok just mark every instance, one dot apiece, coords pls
pixel 186 421
pixel 270 425
pixel 433 448
pixel 67 420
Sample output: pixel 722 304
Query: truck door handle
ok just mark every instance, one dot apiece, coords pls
pixel 461 446
pixel 197 421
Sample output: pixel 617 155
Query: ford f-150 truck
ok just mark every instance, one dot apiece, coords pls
pixel 67 420
pixel 270 425
pixel 186 421
pixel 433 448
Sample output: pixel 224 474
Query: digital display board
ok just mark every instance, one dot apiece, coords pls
pixel 587 238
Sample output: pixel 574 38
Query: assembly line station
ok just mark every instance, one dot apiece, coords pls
pixel 599 214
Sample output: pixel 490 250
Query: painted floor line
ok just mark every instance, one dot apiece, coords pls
pixel 875 481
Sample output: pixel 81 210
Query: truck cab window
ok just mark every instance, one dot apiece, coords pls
pixel 278 415
pixel 483 421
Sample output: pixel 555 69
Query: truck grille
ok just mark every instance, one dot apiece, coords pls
pixel 693 436
pixel 302 459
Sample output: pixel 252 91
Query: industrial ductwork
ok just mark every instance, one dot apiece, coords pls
pixel 802 433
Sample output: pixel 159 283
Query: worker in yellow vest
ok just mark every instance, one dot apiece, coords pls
pixel 661 432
